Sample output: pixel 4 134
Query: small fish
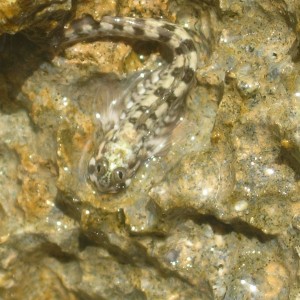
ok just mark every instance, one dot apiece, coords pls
pixel 151 107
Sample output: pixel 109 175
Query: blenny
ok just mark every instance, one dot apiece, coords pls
pixel 151 107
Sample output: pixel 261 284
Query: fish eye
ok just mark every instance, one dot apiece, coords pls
pixel 119 175
pixel 101 166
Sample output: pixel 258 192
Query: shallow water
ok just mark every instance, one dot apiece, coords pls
pixel 216 217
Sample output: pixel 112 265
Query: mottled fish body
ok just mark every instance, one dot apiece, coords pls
pixel 152 106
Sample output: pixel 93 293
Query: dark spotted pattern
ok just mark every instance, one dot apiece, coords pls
pixel 151 107
pixel 159 92
pixel 169 27
pixel 142 127
pixel 188 75
pixel 143 108
pixel 177 71
pixel 170 98
pixel 185 47
pixel 153 116
pixel 189 44
pixel 164 35
pixel 118 26
pixel 132 120
pixel 138 30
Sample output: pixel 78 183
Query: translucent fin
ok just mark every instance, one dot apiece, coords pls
pixel 102 97
pixel 160 145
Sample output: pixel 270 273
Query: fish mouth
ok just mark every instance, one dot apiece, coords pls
pixel 113 189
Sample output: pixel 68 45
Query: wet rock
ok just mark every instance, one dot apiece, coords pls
pixel 29 15
pixel 215 217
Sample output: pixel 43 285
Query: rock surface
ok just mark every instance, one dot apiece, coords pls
pixel 217 217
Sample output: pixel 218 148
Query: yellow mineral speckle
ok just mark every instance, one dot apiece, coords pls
pixel 276 275
pixel 216 136
pixel 29 160
pixel 8 9
pixel 35 197
pixel 286 144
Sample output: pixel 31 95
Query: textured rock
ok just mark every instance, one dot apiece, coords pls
pixel 217 217
pixel 17 15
